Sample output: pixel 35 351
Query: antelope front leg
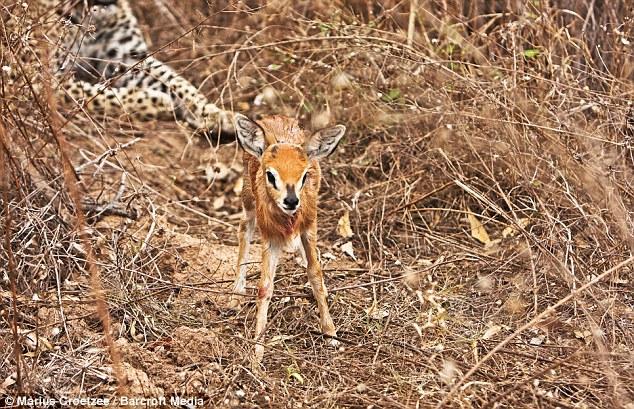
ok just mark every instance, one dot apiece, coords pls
pixel 316 278
pixel 245 235
pixel 270 256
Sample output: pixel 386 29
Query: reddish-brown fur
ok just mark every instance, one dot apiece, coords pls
pixel 279 146
pixel 290 161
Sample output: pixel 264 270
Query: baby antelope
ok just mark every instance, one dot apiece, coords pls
pixel 281 181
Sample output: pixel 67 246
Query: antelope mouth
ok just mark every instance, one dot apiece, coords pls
pixel 287 210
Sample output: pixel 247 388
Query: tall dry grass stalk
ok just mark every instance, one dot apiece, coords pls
pixel 82 228
pixel 11 269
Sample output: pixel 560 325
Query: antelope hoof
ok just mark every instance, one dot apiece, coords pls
pixel 333 343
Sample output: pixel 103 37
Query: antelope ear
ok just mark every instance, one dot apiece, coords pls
pixel 323 142
pixel 250 135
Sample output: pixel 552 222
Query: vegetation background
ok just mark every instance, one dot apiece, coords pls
pixel 475 226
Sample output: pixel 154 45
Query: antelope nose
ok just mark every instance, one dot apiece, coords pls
pixel 291 202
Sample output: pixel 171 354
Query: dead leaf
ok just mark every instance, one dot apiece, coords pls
pixel 10 380
pixel 538 340
pixel 348 250
pixel 329 256
pixel 237 187
pixel 448 372
pixel 343 226
pixel 582 334
pixel 491 331
pixel 219 202
pixel 477 229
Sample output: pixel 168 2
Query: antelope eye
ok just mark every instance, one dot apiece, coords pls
pixel 304 178
pixel 271 178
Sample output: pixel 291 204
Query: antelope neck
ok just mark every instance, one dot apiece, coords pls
pixel 289 222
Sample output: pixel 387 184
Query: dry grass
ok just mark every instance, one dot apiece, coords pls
pixel 515 116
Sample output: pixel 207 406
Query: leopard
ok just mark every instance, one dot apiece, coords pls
pixel 101 61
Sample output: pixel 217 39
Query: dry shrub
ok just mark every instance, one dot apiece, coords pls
pixel 513 114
